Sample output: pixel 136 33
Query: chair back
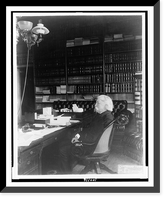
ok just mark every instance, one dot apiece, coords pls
pixel 104 143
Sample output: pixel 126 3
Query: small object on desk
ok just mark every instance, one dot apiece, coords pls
pixel 26 128
pixel 74 121
pixel 47 111
pixel 65 110
pixel 52 126
pixel 39 125
pixel 63 120
pixel 25 131
pixel 68 123
pixel 42 121
pixel 35 116
pixel 76 109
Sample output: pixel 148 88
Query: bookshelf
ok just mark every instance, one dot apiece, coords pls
pixel 50 78
pixel 84 69
pixel 122 60
pixel 138 102
pixel 122 74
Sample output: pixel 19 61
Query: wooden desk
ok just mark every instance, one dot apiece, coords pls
pixel 29 157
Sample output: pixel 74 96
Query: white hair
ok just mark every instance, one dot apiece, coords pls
pixel 108 102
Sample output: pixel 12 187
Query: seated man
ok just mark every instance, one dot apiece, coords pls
pixel 90 132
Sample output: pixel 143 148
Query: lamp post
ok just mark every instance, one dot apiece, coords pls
pixel 31 35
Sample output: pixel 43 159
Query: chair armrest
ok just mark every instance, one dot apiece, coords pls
pixel 93 143
pixel 79 148
pixel 80 143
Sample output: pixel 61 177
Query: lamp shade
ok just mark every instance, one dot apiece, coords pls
pixel 40 29
pixel 25 25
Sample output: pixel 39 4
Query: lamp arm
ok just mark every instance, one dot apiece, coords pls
pixel 29 35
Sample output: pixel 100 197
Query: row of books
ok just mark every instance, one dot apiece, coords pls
pixel 41 98
pixel 79 79
pixel 128 56
pixel 85 60
pixel 49 98
pixel 138 112
pixel 85 69
pixel 139 126
pixel 124 67
pixel 138 85
pixel 119 87
pixel 121 37
pixel 119 77
pixel 85 79
pixel 138 98
pixel 42 90
pixel 61 89
pixel 109 68
pixel 86 89
pixel 50 81
pixel 55 54
pixel 84 50
pixel 81 41
pixel 127 45
pixel 50 72
pixel 57 62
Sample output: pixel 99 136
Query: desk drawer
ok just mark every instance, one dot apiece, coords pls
pixel 28 165
pixel 29 153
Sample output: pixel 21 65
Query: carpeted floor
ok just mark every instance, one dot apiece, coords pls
pixel 116 162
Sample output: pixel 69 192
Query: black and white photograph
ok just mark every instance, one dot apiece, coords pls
pixel 82 98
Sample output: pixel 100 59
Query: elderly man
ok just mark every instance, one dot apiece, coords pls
pixel 90 132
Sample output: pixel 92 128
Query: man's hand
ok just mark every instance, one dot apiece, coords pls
pixel 75 139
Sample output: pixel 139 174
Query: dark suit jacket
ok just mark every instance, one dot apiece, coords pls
pixel 94 128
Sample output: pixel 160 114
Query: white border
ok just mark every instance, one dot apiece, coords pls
pixel 150 95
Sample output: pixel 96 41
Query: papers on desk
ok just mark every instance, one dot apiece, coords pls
pixel 76 109
pixel 60 120
pixel 25 139
pixel 74 121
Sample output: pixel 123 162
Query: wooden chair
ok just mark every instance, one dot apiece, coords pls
pixel 100 153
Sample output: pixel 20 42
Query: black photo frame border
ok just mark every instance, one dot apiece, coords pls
pixel 152 189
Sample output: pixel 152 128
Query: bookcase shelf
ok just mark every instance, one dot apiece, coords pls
pixel 121 46
pixel 85 69
pixel 122 59
pixel 49 94
pixel 123 51
pixel 138 102
pixel 110 68
pixel 45 102
pixel 120 93
pixel 49 77
pixel 85 83
pixel 83 93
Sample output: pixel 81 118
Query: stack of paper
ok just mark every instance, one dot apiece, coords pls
pixel 62 89
pixel 47 111
pixel 25 139
pixel 61 120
